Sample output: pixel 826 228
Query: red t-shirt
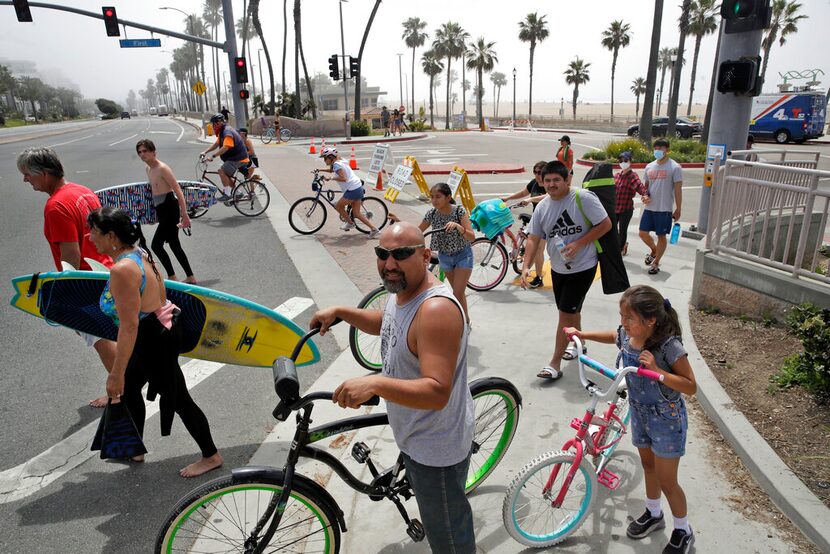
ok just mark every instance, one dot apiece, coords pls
pixel 64 220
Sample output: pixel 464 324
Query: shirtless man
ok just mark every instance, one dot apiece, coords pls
pixel 249 146
pixel 171 209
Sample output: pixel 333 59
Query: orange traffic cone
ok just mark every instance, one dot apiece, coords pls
pixel 323 144
pixel 312 149
pixel 353 160
pixel 379 184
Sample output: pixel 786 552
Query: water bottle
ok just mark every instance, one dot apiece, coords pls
pixel 675 233
pixel 560 244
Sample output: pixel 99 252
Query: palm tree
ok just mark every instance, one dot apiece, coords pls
pixel 432 66
pixel 651 75
pixel 254 10
pixel 414 37
pixel 449 44
pixel 638 87
pixel 482 58
pixel 244 33
pixel 298 34
pixel 284 41
pixel 499 80
pixel 664 63
pixel 533 29
pixel 785 18
pixel 616 36
pixel 357 80
pixel 677 67
pixel 577 74
pixel 702 21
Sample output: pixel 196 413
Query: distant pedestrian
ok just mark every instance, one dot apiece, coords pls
pixel 565 154
pixel 171 210
pixel 627 183
pixel 650 336
pixel 225 113
pixel 396 122
pixel 352 188
pixel 66 229
pixel 664 179
pixel 384 120
pixel 402 125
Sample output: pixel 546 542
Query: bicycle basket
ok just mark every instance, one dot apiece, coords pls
pixel 315 186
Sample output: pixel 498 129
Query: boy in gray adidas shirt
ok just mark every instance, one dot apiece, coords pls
pixel 578 218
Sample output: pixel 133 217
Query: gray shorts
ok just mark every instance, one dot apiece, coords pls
pixel 229 168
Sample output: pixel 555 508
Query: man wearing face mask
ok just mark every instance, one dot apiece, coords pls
pixel 664 179
pixel 627 184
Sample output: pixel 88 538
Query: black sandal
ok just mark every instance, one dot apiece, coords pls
pixel 654 270
pixel 649 259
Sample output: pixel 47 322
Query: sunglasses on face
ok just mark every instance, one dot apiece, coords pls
pixel 400 254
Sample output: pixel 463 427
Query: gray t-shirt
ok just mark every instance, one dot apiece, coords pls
pixel 436 438
pixel 660 179
pixel 563 218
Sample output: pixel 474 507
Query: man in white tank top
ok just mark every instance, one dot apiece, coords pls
pixel 424 381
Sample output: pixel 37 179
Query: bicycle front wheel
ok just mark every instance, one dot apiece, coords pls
pixel 220 516
pixel 365 347
pixel 251 198
pixel 528 512
pixel 373 209
pixel 267 136
pixel 497 416
pixel 307 215
pixel 489 264
pixel 286 134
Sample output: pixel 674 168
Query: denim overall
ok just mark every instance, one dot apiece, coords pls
pixel 658 413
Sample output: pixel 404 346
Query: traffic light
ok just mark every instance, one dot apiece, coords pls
pixel 740 77
pixel 241 67
pixel 24 14
pixel 334 68
pixel 745 15
pixel 354 66
pixel 111 21
pixel 244 94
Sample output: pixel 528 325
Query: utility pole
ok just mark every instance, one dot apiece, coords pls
pixel 400 77
pixel 261 85
pixel 348 130
pixel 230 38
pixel 730 112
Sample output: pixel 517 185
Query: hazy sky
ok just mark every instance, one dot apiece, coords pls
pixel 70 47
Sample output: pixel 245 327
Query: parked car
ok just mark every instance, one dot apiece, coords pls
pixel 684 128
pixel 134 112
pixel 125 115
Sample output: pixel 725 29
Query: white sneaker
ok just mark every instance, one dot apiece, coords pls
pixel 348 226
pixel 373 233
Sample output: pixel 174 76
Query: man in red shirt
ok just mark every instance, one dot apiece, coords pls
pixel 65 226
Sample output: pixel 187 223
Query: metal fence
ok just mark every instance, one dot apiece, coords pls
pixel 771 207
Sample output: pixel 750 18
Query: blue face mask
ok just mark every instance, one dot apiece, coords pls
pixel 658 154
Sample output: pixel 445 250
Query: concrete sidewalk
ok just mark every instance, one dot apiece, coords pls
pixel 503 319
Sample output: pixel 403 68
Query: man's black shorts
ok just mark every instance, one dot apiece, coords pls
pixel 570 289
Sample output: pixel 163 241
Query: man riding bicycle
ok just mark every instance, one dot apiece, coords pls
pixel 231 151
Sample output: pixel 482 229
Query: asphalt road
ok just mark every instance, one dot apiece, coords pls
pixel 49 374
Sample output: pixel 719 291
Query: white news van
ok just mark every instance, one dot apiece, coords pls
pixel 163 110
pixel 153 110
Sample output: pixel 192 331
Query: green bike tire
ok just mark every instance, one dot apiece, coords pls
pixel 496 420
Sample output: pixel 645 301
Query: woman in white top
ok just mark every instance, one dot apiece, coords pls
pixel 352 188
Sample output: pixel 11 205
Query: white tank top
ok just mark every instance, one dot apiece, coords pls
pixel 352 181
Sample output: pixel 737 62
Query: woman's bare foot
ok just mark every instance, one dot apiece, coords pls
pixel 191 280
pixel 137 459
pixel 100 402
pixel 172 277
pixel 202 466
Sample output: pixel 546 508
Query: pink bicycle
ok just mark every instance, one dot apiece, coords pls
pixel 552 494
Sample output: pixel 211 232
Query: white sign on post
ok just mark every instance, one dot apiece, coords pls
pixel 713 152
pixel 377 162
pixel 454 181
pixel 400 177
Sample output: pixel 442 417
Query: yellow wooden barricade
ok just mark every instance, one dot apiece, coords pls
pixel 465 191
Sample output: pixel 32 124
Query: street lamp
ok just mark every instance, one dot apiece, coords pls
pixel 514 97
pixel 673 59
pixel 345 81
pixel 400 77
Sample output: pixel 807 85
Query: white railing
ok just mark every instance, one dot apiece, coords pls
pixel 771 207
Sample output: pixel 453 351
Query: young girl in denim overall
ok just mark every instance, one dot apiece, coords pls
pixel 649 335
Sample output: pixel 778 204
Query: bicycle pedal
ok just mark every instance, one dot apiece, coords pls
pixel 576 423
pixel 360 452
pixel 609 479
pixel 415 530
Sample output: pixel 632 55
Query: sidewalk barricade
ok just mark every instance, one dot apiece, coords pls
pixel 377 165
pixel 459 184
pixel 409 168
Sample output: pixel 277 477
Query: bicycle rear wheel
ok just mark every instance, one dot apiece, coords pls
pixel 497 404
pixel 528 512
pixel 489 264
pixel 267 136
pixel 307 215
pixel 365 347
pixel 251 198
pixel 375 210
pixel 220 516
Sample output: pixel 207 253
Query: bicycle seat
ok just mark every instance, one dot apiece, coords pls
pixel 525 218
pixel 434 259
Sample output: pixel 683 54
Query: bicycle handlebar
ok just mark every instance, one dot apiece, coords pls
pixel 616 376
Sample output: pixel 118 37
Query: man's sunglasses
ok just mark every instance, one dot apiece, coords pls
pixel 400 254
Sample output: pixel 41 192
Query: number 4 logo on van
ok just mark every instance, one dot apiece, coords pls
pixel 780 115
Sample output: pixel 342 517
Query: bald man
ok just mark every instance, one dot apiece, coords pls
pixel 424 382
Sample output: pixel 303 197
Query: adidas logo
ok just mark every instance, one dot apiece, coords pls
pixel 565 225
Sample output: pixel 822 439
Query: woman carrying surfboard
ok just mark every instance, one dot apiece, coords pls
pixel 149 335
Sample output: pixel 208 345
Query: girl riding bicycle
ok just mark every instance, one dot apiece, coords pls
pixel 352 188
pixel 650 336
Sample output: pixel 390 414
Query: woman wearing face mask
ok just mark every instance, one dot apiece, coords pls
pixel 628 184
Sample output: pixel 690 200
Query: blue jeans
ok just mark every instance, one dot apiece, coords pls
pixel 445 510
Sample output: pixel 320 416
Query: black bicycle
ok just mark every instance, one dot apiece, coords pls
pixel 250 197
pixel 308 214
pixel 259 508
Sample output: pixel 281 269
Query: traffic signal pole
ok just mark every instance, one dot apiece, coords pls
pixel 730 112
pixel 230 48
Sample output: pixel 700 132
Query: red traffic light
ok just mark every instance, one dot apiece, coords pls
pixel 110 21
pixel 244 94
pixel 108 13
pixel 240 62
pixel 241 68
